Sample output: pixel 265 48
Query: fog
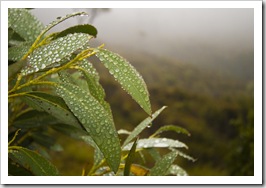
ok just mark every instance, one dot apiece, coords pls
pixel 200 36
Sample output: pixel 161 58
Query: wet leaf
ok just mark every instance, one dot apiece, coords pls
pixel 15 53
pixel 182 154
pixel 51 104
pixel 95 88
pixel 88 29
pixel 174 128
pixel 177 171
pixel 130 158
pixel 95 119
pixel 59 20
pixel 24 23
pixel 54 52
pixel 145 123
pixel 162 166
pixel 157 143
pixel 130 80
pixel 32 161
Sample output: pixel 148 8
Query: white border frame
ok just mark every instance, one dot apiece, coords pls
pixel 256 179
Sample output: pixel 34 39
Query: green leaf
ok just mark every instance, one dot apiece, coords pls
pixel 61 19
pixel 174 128
pixel 15 53
pixel 33 119
pixel 157 143
pixel 54 52
pixel 51 104
pixel 130 80
pixel 88 29
pixel 162 166
pixel 130 158
pixel 177 171
pixel 14 68
pixel 155 154
pixel 32 161
pixel 95 119
pixel 24 23
pixel 145 123
pixel 95 88
pixel 15 169
pixel 182 154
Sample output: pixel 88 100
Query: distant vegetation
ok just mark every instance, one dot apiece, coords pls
pixel 216 107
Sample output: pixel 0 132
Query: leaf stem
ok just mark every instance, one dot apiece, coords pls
pixel 14 137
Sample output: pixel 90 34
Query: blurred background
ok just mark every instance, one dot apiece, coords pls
pixel 198 62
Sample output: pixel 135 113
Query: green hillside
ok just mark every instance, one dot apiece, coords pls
pixel 215 106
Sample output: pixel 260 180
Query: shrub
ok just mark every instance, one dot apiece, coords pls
pixel 53 85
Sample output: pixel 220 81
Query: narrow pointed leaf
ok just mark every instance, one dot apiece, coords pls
pixel 24 23
pixel 33 162
pixel 174 128
pixel 182 154
pixel 162 166
pixel 53 105
pixel 127 76
pixel 15 53
pixel 14 68
pixel 177 171
pixel 130 158
pixel 86 28
pixel 142 126
pixel 157 143
pixel 54 52
pixel 59 20
pixel 155 154
pixel 33 119
pixel 96 121
pixel 92 77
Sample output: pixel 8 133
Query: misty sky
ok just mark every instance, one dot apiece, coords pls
pixel 184 34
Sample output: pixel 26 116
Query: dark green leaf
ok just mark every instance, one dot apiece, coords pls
pixel 174 128
pixel 33 162
pixel 24 23
pixel 95 119
pixel 130 158
pixel 130 80
pixel 51 104
pixel 33 119
pixel 142 126
pixel 88 29
pixel 162 166
pixel 15 169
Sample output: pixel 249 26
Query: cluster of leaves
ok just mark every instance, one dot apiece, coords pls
pixel 54 86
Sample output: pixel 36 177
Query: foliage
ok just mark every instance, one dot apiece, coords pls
pixel 53 87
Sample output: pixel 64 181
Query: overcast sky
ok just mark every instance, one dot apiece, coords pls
pixel 180 33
